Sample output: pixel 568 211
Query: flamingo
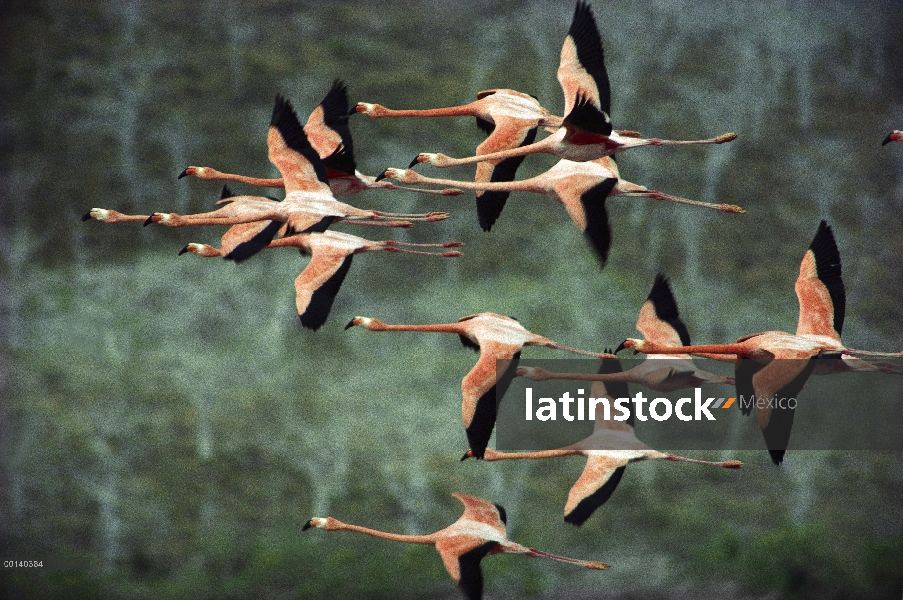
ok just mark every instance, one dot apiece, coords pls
pixel 328 133
pixel 479 532
pixel 240 242
pixel 509 118
pixel 780 363
pixel 581 187
pixel 331 253
pixel 585 132
pixel 608 450
pixel 660 322
pixel 496 338
pixel 893 136
pixel 309 204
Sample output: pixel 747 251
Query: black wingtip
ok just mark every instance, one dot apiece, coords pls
pixel 828 268
pixel 249 248
pixel 183 174
pixel 286 122
pixel 586 507
pixel 598 230
pixel 312 323
pixel 503 514
pixel 226 193
pixel 777 456
pixel 86 216
pixel 665 305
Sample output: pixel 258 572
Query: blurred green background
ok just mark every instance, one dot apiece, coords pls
pixel 168 417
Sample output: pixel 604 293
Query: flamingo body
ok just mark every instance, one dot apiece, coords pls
pixel 479 532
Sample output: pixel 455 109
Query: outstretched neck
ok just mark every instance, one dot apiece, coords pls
pixel 255 181
pixel 493 455
pixel 395 537
pixel 448 111
pixel 739 350
pixel 438 327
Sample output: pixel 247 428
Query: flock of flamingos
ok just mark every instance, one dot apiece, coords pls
pixel 317 166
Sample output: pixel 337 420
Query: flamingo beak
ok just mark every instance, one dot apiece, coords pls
pixel 350 324
pixel 468 454
pixel 184 173
pixel 382 175
pixel 86 216
pixel 183 250
pixel 414 162
pixel 306 526
pixel 621 346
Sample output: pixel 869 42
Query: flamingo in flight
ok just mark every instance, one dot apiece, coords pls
pixel 331 253
pixel 582 187
pixel 328 133
pixel 659 322
pixel 608 450
pixel 309 205
pixel 509 118
pixel 479 532
pixel 585 132
pixel 496 338
pixel 893 136
pixel 240 242
pixel 780 363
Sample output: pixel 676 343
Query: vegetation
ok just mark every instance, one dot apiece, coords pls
pixel 168 417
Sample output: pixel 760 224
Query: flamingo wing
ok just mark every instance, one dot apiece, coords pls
pixel 659 319
pixel 581 71
pixel 241 242
pixel 461 556
pixel 508 133
pixel 594 487
pixel 595 224
pixel 291 152
pixel 783 377
pixel 328 131
pixel 482 387
pixel 586 124
pixel 820 288
pixel 611 390
pixel 483 511
pixel 317 285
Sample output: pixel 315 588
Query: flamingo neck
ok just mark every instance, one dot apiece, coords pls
pixel 492 455
pixel 395 537
pixel 438 327
pixel 448 111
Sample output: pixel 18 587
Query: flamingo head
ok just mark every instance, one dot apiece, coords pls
pixel 101 214
pixel 316 522
pixel 635 344
pixel 373 110
pixel 894 136
pixel 425 157
pixel 392 173
pixel 366 323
